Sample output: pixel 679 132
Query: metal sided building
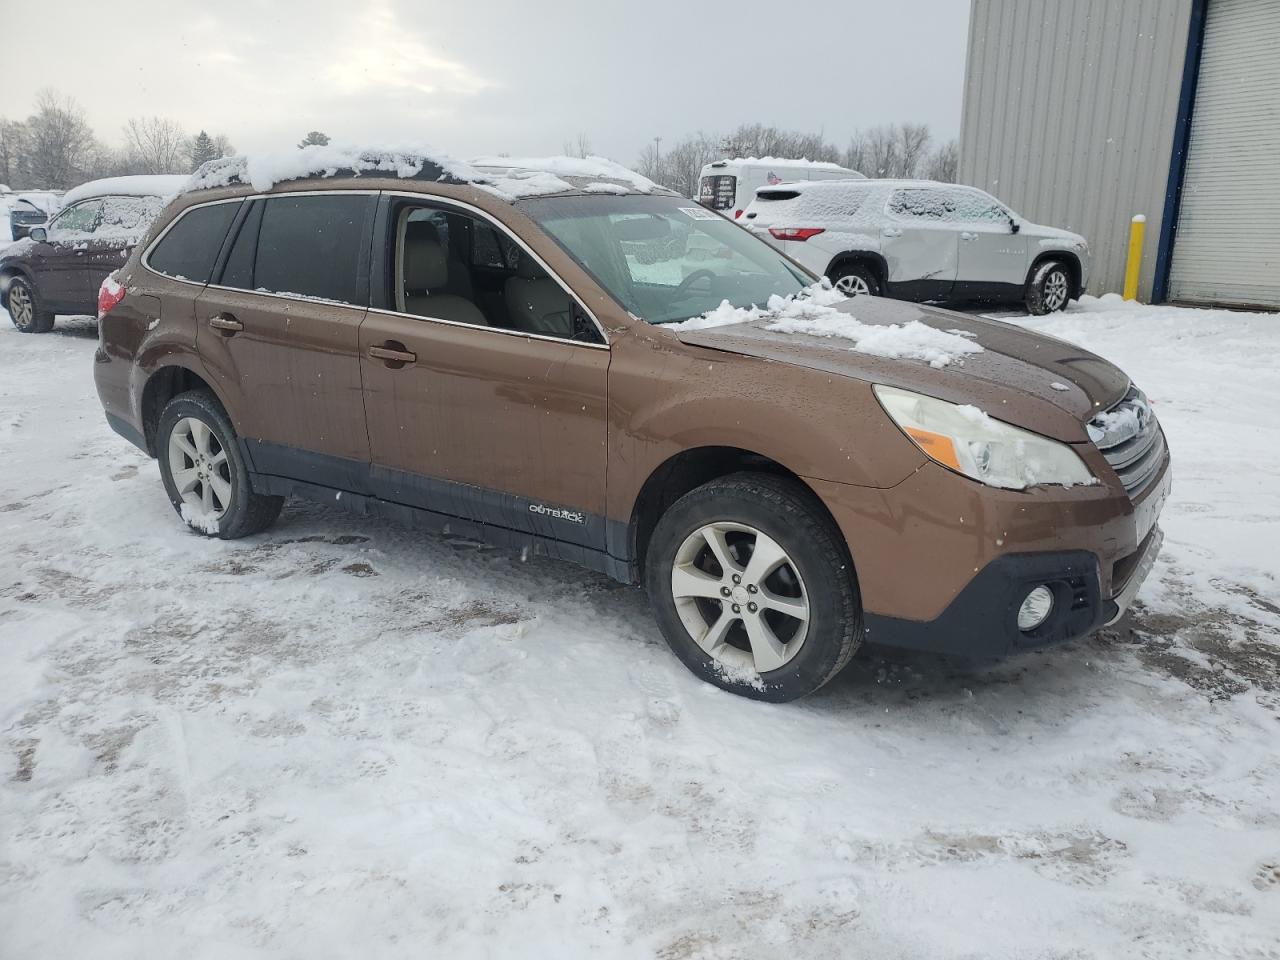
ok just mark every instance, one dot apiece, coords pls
pixel 1084 113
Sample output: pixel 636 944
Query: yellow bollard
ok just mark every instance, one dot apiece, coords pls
pixel 1137 234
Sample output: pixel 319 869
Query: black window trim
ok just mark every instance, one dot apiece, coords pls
pixel 431 199
pixel 219 263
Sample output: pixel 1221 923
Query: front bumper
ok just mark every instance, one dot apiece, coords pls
pixel 943 564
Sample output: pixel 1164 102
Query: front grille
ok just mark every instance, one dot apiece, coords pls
pixel 1131 440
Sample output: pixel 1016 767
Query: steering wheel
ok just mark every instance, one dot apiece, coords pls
pixel 682 290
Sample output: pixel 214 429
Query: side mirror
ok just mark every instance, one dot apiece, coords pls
pixel 39 234
pixel 1014 225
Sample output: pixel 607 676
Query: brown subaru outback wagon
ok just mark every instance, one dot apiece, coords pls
pixel 506 353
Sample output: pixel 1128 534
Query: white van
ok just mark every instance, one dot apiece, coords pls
pixel 727 186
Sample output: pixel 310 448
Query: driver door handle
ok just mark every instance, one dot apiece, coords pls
pixel 966 235
pixel 225 323
pixel 891 232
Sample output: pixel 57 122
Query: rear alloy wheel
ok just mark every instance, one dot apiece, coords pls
pixel 204 473
pixel 751 584
pixel 25 309
pixel 855 280
pixel 1049 289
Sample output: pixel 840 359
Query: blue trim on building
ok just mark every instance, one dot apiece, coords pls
pixel 1181 144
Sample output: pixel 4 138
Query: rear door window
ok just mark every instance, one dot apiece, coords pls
pixel 187 251
pixel 310 246
pixel 923 203
pixel 128 217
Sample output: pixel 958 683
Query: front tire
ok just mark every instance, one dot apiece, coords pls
pixel 204 473
pixel 26 309
pixel 753 588
pixel 855 279
pixel 1049 288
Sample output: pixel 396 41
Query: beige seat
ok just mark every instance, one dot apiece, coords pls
pixel 425 271
pixel 536 303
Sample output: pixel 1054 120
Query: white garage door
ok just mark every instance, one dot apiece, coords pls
pixel 1227 246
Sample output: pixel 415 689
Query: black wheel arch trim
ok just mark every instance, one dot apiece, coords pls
pixel 875 260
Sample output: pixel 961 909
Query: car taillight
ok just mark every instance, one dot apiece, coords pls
pixel 109 295
pixel 795 233
pixel 737 214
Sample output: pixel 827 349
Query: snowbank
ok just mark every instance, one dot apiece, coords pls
pixel 812 314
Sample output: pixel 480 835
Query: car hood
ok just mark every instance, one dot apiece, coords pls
pixel 1022 377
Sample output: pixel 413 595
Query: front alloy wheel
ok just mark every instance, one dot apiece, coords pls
pixel 24 308
pixel 740 596
pixel 752 586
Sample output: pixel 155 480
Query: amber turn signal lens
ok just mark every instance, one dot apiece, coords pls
pixel 935 445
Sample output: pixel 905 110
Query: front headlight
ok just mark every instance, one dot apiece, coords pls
pixel 966 440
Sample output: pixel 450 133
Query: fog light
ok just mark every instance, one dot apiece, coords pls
pixel 1035 609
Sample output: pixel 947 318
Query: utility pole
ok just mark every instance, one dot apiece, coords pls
pixel 657 150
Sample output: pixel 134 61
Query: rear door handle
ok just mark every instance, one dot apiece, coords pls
pixel 225 323
pixel 393 354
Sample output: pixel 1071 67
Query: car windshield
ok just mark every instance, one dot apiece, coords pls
pixel 664 258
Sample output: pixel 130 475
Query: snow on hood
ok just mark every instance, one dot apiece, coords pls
pixel 811 313
pixel 510 178
pixel 155 185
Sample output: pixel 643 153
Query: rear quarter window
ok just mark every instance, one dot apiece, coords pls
pixel 310 246
pixel 187 251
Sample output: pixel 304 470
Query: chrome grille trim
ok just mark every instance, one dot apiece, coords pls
pixel 1131 441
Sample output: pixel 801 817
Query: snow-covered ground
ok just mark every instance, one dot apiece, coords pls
pixel 341 739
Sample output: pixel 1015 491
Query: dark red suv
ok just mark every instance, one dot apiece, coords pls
pixel 59 268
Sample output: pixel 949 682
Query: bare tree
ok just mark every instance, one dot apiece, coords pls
pixel 913 148
pixel 157 145
pixel 678 167
pixel 13 141
pixel 314 138
pixel 59 144
pixel 944 163
pixel 222 146
pixel 581 147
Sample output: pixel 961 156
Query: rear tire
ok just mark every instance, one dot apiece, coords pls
pixel 774 630
pixel 25 307
pixel 204 472
pixel 855 279
pixel 1049 288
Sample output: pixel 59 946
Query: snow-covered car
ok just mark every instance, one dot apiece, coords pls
pixel 728 186
pixel 921 240
pixel 60 267
pixel 526 354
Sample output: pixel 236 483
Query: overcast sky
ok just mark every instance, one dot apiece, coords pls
pixel 521 76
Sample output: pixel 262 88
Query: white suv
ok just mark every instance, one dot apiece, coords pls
pixel 920 240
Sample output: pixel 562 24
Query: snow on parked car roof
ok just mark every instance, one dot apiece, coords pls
pixel 511 178
pixel 783 162
pixel 151 185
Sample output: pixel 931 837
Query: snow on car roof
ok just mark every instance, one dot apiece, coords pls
pixel 511 178
pixel 783 162
pixel 153 185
